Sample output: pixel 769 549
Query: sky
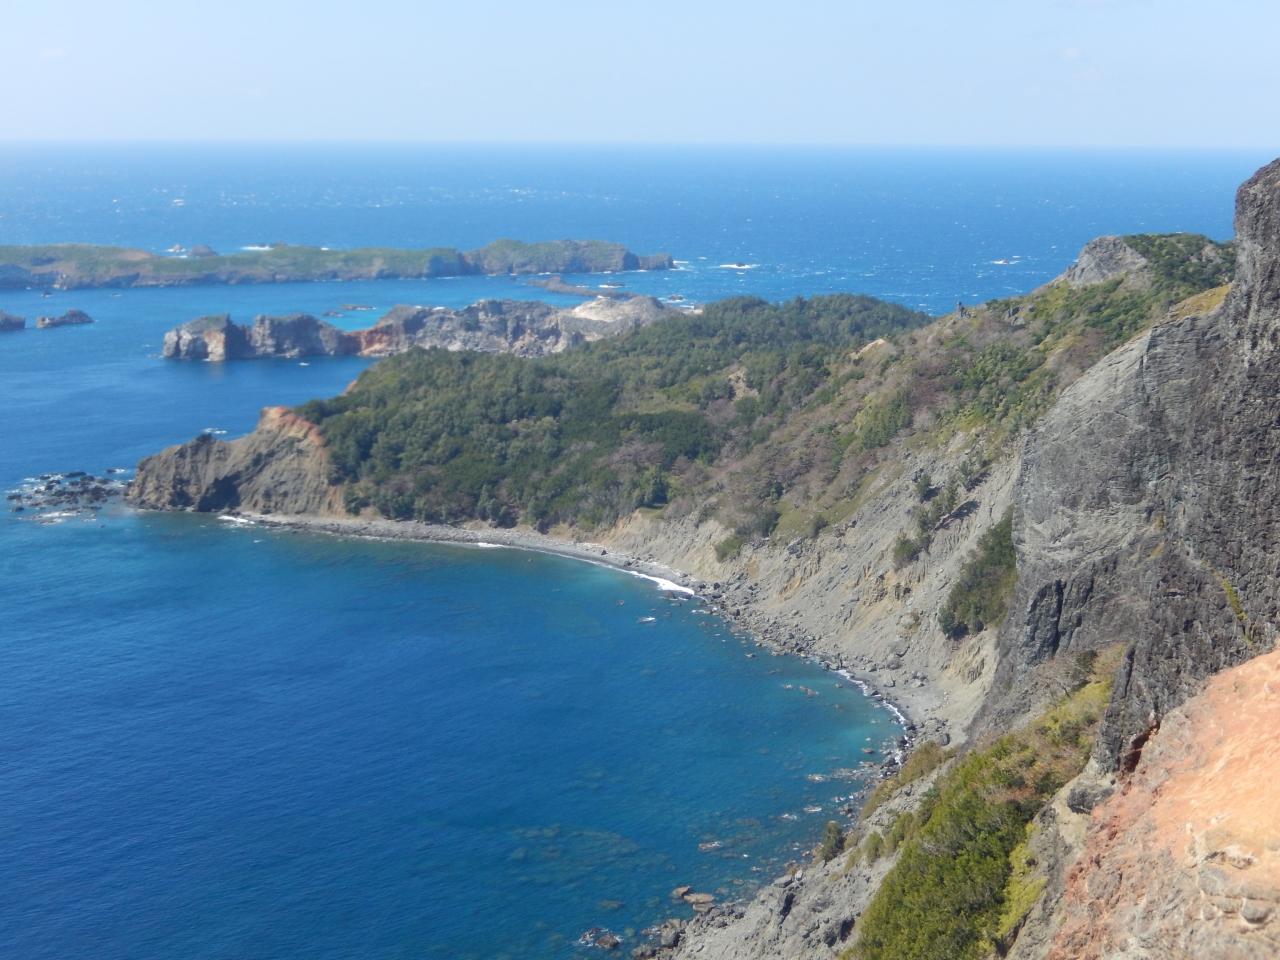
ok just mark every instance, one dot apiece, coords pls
pixel 1038 73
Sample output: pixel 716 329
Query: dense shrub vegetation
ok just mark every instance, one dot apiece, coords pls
pixel 980 597
pixel 594 432
pixel 924 759
pixel 949 894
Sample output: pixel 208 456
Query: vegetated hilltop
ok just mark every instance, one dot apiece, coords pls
pixel 78 266
pixel 879 489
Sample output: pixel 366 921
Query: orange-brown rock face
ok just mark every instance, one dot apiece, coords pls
pixel 1184 860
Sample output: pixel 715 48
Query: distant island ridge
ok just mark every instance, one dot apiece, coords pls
pixel 79 266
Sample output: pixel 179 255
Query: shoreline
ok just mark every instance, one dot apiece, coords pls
pixel 665 577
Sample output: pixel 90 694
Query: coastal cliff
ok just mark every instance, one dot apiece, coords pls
pixel 280 467
pixel 77 266
pixel 520 327
pixel 1146 503
pixel 838 503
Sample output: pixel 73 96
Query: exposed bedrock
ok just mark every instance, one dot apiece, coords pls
pixel 1148 504
pixel 1185 861
pixel 526 328
pixel 280 467
pixel 1107 258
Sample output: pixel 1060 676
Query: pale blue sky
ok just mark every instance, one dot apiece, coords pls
pixel 1155 73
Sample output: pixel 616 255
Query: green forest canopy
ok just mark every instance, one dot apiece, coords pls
pixel 591 433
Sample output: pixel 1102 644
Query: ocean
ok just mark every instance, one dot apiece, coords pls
pixel 218 740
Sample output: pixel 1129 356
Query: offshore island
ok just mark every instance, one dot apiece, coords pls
pixel 79 266
pixel 1043 527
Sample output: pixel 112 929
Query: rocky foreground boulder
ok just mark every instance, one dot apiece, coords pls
pixel 1185 861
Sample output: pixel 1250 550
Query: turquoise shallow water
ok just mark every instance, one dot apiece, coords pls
pixel 220 741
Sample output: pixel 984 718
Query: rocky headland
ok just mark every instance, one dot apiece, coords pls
pixel 526 328
pixel 9 322
pixel 77 266
pixel 1124 672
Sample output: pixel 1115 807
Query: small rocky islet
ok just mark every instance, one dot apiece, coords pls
pixel 525 328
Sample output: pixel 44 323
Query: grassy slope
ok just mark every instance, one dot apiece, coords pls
pixel 986 376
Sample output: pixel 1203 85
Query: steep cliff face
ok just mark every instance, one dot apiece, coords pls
pixel 522 327
pixel 1147 504
pixel 280 467
pixel 1184 860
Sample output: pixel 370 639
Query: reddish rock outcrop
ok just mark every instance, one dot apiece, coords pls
pixel 1184 860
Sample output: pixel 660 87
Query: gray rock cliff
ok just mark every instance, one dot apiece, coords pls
pixel 1106 258
pixel 9 322
pixel 217 338
pixel 1148 504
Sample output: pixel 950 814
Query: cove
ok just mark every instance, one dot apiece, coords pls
pixel 229 740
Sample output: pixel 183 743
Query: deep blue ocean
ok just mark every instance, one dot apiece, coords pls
pixel 223 741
